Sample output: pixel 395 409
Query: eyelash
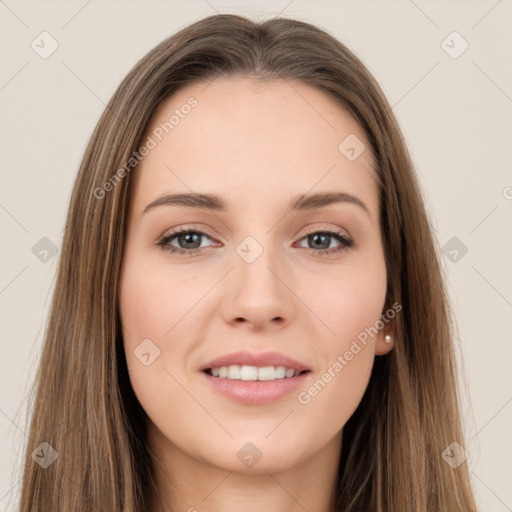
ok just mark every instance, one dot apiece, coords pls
pixel 163 242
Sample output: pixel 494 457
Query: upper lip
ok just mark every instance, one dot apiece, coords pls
pixel 252 359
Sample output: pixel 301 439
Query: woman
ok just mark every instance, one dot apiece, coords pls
pixel 249 310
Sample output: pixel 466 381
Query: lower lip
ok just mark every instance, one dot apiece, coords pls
pixel 256 392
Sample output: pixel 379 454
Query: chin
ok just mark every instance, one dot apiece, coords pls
pixel 256 455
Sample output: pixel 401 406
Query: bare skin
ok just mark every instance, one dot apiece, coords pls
pixel 258 146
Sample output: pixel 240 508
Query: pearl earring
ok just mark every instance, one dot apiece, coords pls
pixel 388 338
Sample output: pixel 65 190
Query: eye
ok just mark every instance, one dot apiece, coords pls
pixel 188 241
pixel 320 241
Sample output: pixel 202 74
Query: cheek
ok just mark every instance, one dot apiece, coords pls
pixel 348 300
pixel 350 309
pixel 332 396
pixel 153 300
pixel 166 305
pixel 150 315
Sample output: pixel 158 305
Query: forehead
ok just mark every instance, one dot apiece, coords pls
pixel 253 142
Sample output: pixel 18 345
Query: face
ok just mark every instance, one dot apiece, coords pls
pixel 264 281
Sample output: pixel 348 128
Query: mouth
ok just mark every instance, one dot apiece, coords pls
pixel 253 379
pixel 253 373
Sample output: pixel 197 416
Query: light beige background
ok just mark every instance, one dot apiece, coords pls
pixel 456 115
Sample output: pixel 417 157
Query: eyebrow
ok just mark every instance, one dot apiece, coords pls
pixel 218 204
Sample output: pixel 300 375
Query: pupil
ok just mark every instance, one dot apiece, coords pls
pixel 190 238
pixel 318 236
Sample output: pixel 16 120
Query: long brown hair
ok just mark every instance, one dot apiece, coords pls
pixel 84 406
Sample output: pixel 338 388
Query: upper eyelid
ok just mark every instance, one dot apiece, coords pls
pixel 185 229
pixel 317 229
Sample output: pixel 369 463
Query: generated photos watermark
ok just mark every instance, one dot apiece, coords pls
pixel 157 135
pixel 305 397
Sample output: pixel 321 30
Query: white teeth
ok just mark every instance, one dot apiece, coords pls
pixel 280 372
pixel 233 372
pixel 267 373
pixel 244 372
pixel 248 373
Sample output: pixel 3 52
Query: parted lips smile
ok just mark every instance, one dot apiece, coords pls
pixel 253 378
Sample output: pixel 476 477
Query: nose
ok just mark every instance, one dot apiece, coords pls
pixel 258 294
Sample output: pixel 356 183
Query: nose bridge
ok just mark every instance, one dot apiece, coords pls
pixel 253 266
pixel 256 290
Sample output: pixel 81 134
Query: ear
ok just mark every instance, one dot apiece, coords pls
pixel 385 341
